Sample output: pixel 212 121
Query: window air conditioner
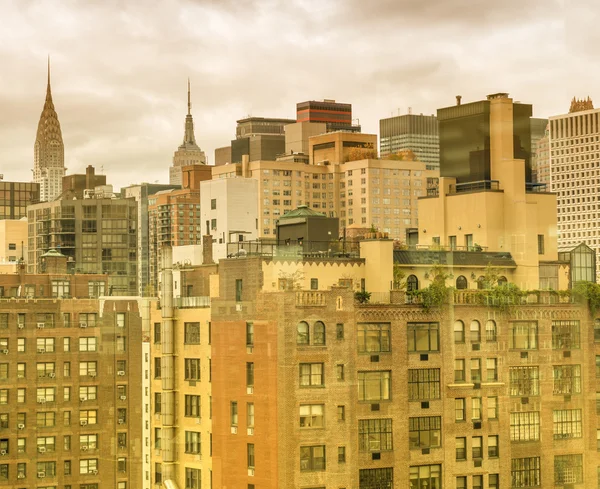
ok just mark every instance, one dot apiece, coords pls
pixel 251 471
pixel 20 426
pixel 234 430
pixel 121 373
pixel 41 475
pixel 85 448
pixel 51 375
pixel 83 422
pixel 5 352
pixel 21 326
pixel 3 452
pixel 250 431
pixel 42 449
pixel 123 398
pixel 41 350
pixel 83 325
pixel 42 400
pixel 20 475
pixel 92 374
pixel 94 472
pixel 121 421
pixel 41 326
pixel 82 399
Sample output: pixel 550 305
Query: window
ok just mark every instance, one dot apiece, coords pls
pixel 375 435
pixel 493 450
pixel 374 337
pixel 567 423
pixel 192 406
pixel 250 374
pixel 61 288
pixel 233 413
pixel 46 444
pixel 250 455
pixel 424 432
pixel 303 333
pixel 477 447
pixel 192 369
pixel 461 448
pixel 341 455
pixel 540 242
pixel 121 344
pixel 3 396
pixel 3 371
pixel 192 478
pixel 238 290
pixel 157 402
pixel 524 381
pixel 523 335
pixel 88 466
pixel 460 409
pixel 339 331
pixel 568 469
pixel 476 370
pixel 423 337
pixel 422 476
pixel 459 332
pixel 377 478
pixel 374 386
pixel 461 482
pixel 191 333
pixel 4 420
pixel 423 384
pixel 475 332
pixel 491 332
pixel 311 374
pixel 341 413
pixel 494 481
pixel 45 419
pixel 312 458
pixel 476 408
pixel 46 394
pixel 86 368
pixel 249 334
pixel 249 414
pixel 525 472
pixel 597 330
pixel 412 283
pixel 89 416
pixel 525 426
pixel 192 442
pixel 157 338
pixel 565 335
pixel 213 204
pixel 477 482
pixel 86 344
pixel 461 282
pixel 492 369
pixel 567 379
pixel 339 373
pixel 459 370
pixel 87 320
pixel 88 442
pixel 157 438
pixel 21 395
pixel 314 284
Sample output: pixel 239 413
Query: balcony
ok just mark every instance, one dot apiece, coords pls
pixel 478 186
pixel 298 250
pixel 191 302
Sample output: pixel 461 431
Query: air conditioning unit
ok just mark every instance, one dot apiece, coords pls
pixel 83 422
pixel 42 400
pixel 238 308
pixel 21 326
pixel 41 350
pixel 123 398
pixel 41 475
pixel 94 472
pixel 3 452
pixel 250 431
pixel 42 449
pixel 51 375
pixel 121 421
pixel 82 399
pixel 234 430
pixel 121 373
pixel 85 448
pixel 250 389
pixel 5 352
pixel 92 374
pixel 41 326
pixel 20 475
pixel 83 325
pixel 251 472
pixel 20 426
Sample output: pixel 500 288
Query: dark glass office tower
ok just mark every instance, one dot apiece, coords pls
pixel 464 131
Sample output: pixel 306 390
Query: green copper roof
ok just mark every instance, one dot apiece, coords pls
pixel 52 252
pixel 302 211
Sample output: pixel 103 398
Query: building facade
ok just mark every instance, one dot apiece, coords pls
pixel 15 197
pixel 70 395
pixel 336 116
pixel 49 151
pixel 574 147
pixel 188 153
pixel 411 132
pixel 260 138
pixel 13 241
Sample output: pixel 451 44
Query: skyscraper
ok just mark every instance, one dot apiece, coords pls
pixel 188 153
pixel 49 151
pixel 417 133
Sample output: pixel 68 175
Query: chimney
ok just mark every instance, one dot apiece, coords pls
pixel 90 180
pixel 458 99
pixel 207 250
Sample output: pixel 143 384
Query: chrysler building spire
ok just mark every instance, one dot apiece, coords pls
pixel 188 153
pixel 48 151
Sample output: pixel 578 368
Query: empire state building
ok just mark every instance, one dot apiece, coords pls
pixel 49 151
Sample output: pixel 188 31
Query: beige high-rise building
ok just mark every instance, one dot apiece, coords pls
pixel 188 153
pixel 574 172
pixel 49 151
pixel 363 192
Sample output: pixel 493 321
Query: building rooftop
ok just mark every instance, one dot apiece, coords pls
pixel 302 211
pixel 454 258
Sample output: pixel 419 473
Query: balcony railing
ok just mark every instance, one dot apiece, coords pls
pixel 478 186
pixel 191 302
pixel 323 250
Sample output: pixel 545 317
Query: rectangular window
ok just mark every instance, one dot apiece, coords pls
pixel 249 334
pixel 192 406
pixel 524 381
pixel 192 442
pixel 423 384
pixel 476 370
pixel 250 455
pixel 461 448
pixel 477 447
pixel 568 469
pixel 250 374
pixel 565 335
pixel 525 472
pixel 567 379
pixel 311 374
pixel 378 478
pixel 312 458
pixel 422 476
pixel 375 435
pixel 192 478
pixel 249 414
pixel 156 333
pixel 191 333
pixel 341 455
pixel 233 413
pixel 423 337
pixel 314 284
pixel 339 331
pixel 374 337
pixel 424 432
pixel 493 446
pixel 238 290
pixel 476 408
pixel 567 423
pixel 374 386
pixel 540 242
pixel 459 370
pixel 523 335
pixel 460 409
pixel 525 426
pixel 339 369
pixel 492 369
pixel 341 413
pixel 192 369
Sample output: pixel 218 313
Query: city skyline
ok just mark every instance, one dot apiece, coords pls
pixel 121 97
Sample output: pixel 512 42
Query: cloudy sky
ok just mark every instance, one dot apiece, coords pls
pixel 120 68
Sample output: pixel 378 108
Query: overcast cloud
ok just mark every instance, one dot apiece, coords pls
pixel 120 68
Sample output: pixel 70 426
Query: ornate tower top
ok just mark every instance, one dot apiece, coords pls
pixel 189 140
pixel 48 125
pixel 579 105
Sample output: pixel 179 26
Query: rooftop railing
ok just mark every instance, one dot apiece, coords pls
pixel 301 250
pixel 478 186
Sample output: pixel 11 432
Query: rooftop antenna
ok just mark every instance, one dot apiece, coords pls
pixel 410 110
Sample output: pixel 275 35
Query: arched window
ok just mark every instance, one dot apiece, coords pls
pixel 459 332
pixel 481 282
pixel 461 283
pixel 475 332
pixel 490 330
pixel 303 335
pixel 502 280
pixel 319 333
pixel 412 283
